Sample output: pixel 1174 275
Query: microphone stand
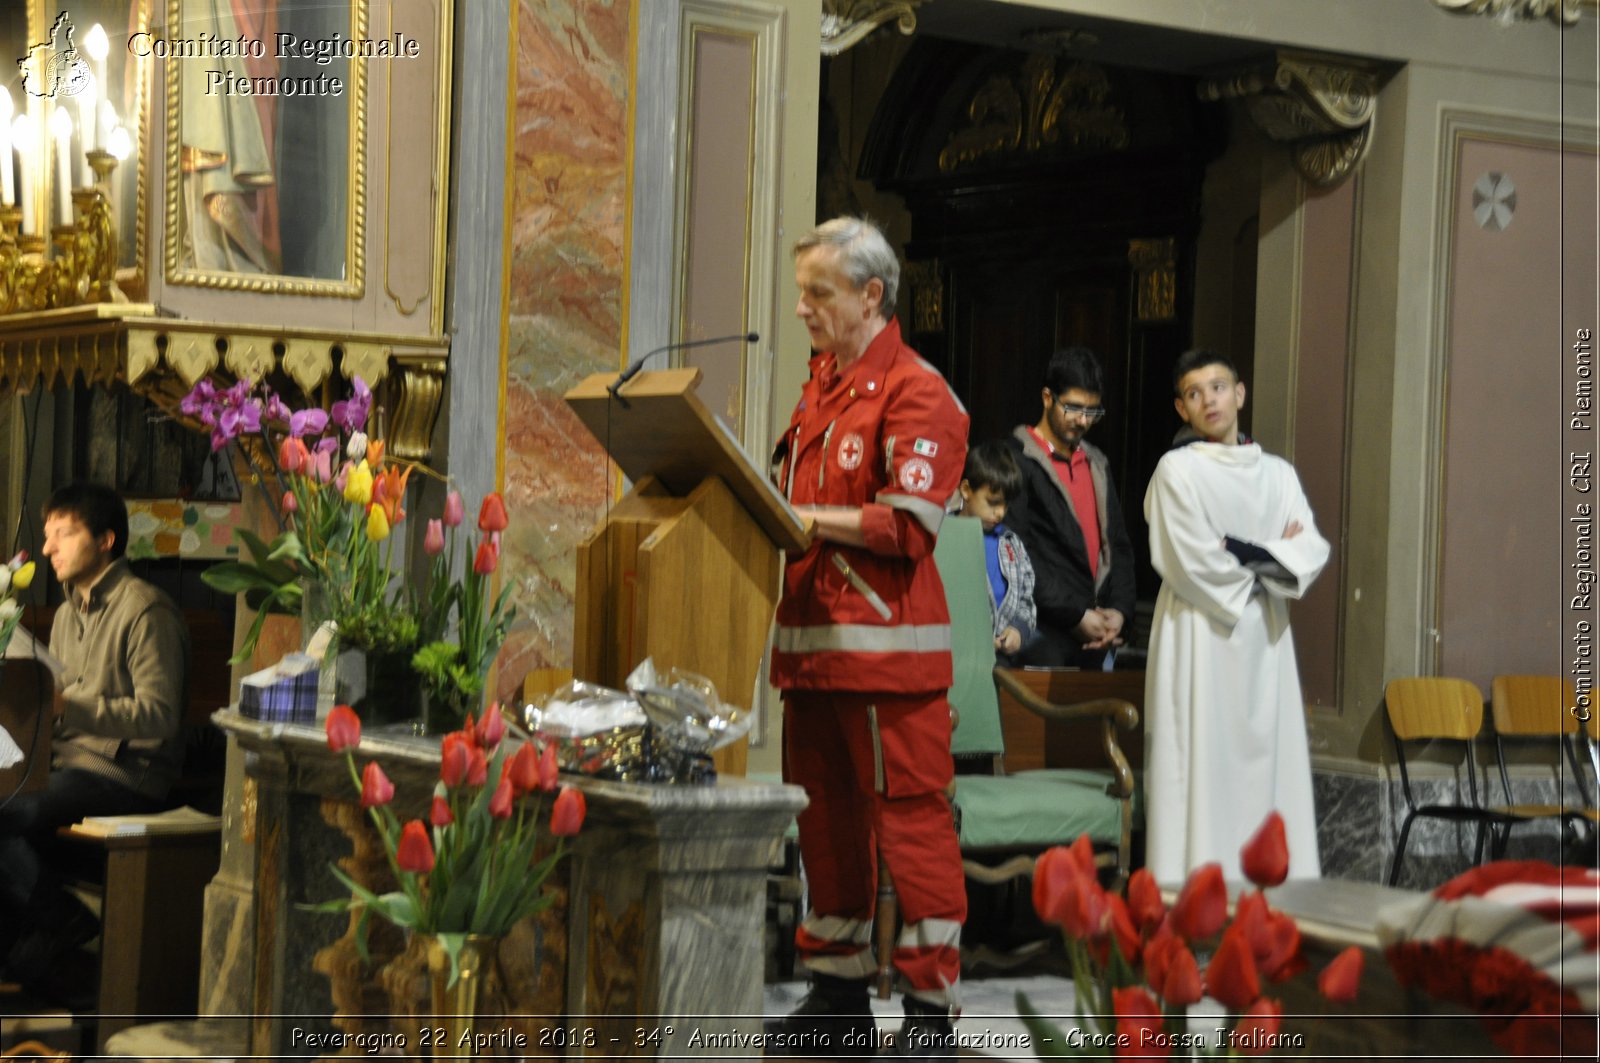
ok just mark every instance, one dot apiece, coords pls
pixel 638 363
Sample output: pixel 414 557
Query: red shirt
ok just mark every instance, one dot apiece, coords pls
pixel 1072 469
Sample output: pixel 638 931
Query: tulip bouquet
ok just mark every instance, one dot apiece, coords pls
pixel 472 867
pixel 1133 959
pixel 455 671
pixel 16 575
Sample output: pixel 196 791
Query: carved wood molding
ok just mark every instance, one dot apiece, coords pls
pixel 1036 109
pixel 1561 12
pixel 1322 107
pixel 846 23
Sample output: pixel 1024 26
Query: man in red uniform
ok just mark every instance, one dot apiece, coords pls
pixel 862 651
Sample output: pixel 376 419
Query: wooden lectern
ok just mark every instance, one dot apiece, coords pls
pixel 27 695
pixel 686 569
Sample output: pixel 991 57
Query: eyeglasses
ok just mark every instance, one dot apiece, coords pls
pixel 1088 413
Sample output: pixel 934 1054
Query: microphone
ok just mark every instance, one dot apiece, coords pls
pixel 638 363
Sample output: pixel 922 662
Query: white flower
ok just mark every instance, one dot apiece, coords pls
pixel 5 578
pixel 8 609
pixel 356 449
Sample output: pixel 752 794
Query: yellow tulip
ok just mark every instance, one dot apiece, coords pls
pixel 22 577
pixel 377 524
pixel 358 484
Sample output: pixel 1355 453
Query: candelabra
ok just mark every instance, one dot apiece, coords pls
pixel 82 268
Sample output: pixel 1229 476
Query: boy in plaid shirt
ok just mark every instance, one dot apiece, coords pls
pixel 990 476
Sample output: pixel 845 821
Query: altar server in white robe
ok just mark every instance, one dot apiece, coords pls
pixel 1234 540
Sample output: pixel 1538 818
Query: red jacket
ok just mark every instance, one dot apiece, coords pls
pixel 889 436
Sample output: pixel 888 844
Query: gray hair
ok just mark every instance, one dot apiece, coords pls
pixel 863 255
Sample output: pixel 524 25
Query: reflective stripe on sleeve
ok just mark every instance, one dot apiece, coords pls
pixel 863 638
pixel 928 514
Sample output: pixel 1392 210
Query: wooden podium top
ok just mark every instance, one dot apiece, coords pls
pixel 665 431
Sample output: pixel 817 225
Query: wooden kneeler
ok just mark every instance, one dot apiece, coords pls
pixel 686 569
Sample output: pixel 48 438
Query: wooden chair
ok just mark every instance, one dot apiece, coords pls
pixel 1441 710
pixel 1532 709
pixel 1006 820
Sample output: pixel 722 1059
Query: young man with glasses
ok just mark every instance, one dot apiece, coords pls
pixel 1069 518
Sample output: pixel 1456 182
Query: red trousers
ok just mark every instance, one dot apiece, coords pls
pixel 875 768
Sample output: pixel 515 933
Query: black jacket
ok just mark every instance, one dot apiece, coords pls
pixel 1043 516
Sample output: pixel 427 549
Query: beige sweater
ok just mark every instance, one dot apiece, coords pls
pixel 126 653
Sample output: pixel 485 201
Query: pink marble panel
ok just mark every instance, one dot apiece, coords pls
pixel 567 253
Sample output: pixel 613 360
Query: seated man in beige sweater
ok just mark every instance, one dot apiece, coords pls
pixel 118 713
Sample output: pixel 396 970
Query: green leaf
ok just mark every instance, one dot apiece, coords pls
pixel 1048 1040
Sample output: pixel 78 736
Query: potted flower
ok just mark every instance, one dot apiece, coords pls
pixel 473 869
pixel 1135 964
pixel 455 666
pixel 16 576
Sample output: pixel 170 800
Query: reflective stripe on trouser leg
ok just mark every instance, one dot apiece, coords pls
pixel 838 947
pixel 925 955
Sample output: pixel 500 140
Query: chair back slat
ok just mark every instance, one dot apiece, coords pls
pixel 1533 705
pixel 1434 707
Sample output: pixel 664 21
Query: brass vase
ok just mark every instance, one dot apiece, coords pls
pixel 455 1005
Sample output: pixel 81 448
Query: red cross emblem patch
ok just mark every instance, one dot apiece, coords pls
pixel 916 476
pixel 851 450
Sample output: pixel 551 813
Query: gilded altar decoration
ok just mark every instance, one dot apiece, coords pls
pixel 1155 271
pixel 1322 107
pixel 1039 107
pixel 846 23
pixel 1136 962
pixel 1562 12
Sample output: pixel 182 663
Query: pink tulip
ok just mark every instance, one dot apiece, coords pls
pixel 455 510
pixel 376 789
pixel 290 504
pixel 492 727
pixel 433 541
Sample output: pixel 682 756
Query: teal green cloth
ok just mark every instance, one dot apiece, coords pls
pixel 1036 809
pixel 959 555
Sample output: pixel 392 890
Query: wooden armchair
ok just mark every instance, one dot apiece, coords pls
pixel 1049 746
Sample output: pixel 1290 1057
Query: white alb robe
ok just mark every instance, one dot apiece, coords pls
pixel 1225 732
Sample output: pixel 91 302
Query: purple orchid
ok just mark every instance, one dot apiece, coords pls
pixel 351 414
pixel 308 422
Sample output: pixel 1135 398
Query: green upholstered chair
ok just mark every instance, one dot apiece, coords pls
pixel 1006 820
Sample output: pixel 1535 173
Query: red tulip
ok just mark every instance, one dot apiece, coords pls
pixel 1202 905
pixel 454 511
pixel 1071 898
pixel 549 770
pixel 487 559
pixel 455 758
pixel 343 727
pixel 1282 957
pixel 492 727
pixel 415 851
pixel 1265 857
pixel 289 503
pixel 1082 853
pixel 500 802
pixel 1120 928
pixel 1254 1033
pixel 1144 901
pixel 1340 980
pixel 1231 975
pixel 566 817
pixel 1159 952
pixel 376 789
pixel 433 542
pixel 524 769
pixel 1182 985
pixel 1138 1023
pixel 492 514
pixel 440 815
pixel 477 767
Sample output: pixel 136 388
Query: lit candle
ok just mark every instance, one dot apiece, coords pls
pixel 98 46
pixel 27 141
pixel 88 119
pixel 7 178
pixel 108 122
pixel 61 126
